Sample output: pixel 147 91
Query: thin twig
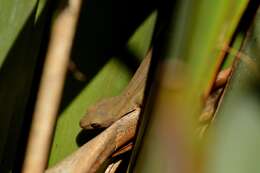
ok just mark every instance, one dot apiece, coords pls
pixel 49 95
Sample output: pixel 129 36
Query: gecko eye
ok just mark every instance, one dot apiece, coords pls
pixel 95 125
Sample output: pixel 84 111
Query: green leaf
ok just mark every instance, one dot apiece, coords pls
pixel 20 40
pixel 13 17
pixel 109 81
pixel 191 53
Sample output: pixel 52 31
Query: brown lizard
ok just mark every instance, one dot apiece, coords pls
pixel 107 111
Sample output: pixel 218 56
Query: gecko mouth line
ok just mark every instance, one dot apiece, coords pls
pixel 95 125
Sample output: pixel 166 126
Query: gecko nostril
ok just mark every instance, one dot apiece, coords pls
pixel 95 125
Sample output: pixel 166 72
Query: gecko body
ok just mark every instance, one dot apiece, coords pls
pixel 108 110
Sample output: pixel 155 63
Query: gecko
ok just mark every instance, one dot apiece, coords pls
pixel 108 110
pixel 105 112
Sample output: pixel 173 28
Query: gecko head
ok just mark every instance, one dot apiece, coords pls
pixel 98 116
pixel 89 123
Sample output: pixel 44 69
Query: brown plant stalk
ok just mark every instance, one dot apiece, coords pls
pixel 51 86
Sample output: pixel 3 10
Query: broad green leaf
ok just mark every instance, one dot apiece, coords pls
pixel 13 17
pixel 139 42
pixel 109 81
pixel 20 40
